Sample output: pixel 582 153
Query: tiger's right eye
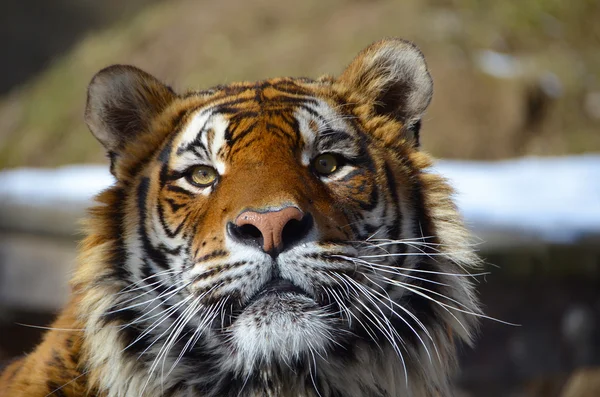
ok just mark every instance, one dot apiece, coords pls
pixel 326 164
pixel 202 176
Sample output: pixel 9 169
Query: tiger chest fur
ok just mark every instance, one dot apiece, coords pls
pixel 278 238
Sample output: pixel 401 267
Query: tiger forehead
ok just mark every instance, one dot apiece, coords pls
pixel 268 114
pixel 238 126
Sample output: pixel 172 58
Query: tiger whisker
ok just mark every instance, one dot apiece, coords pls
pixel 366 327
pixel 163 351
pixel 68 383
pixel 169 293
pixel 312 378
pixel 50 328
pixel 386 333
pixel 391 270
pixel 196 335
pixel 410 314
pixel 136 297
pixel 413 254
pixel 415 288
pixel 398 270
pixel 421 240
pixel 206 318
pixel 368 292
pixel 154 275
pixel 164 315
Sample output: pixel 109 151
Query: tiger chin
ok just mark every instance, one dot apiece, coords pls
pixel 285 237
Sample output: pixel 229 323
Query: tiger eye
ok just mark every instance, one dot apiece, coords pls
pixel 202 175
pixel 326 164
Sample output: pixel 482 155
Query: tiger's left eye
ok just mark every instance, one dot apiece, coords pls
pixel 326 164
pixel 202 175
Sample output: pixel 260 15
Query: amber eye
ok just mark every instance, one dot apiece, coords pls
pixel 202 175
pixel 326 164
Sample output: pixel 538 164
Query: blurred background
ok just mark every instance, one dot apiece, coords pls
pixel 517 95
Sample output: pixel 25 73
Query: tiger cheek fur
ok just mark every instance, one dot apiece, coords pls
pixel 277 238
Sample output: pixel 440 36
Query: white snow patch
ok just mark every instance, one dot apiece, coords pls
pixel 556 198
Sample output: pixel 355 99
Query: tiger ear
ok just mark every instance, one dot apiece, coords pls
pixel 122 102
pixel 392 73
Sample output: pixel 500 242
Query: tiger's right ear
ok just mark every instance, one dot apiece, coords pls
pixel 122 102
pixel 393 75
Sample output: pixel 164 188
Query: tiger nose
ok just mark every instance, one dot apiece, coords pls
pixel 273 231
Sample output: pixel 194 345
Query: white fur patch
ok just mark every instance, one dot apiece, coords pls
pixel 201 122
pixel 279 328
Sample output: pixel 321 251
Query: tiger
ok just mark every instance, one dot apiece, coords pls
pixel 287 237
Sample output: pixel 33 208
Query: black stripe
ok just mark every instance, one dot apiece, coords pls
pixel 198 139
pixel 391 184
pixel 177 189
pixel 118 255
pixel 231 127
pixel 173 205
pixel 157 256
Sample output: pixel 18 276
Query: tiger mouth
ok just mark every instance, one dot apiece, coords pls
pixel 277 286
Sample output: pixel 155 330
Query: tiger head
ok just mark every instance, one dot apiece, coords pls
pixel 283 237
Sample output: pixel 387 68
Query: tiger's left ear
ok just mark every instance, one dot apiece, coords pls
pixel 122 103
pixel 392 73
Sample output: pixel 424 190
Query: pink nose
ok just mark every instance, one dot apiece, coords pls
pixel 269 230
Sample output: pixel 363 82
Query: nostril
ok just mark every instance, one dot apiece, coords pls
pixel 296 230
pixel 249 231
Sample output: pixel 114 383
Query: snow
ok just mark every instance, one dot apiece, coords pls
pixel 555 199
pixel 43 187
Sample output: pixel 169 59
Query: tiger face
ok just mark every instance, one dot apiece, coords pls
pixel 282 237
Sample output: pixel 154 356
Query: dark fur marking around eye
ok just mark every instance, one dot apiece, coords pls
pixel 357 172
pixel 197 142
pixel 177 189
pixel 329 138
pixel 201 151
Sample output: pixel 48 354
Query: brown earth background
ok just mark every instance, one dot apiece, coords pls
pixel 550 106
